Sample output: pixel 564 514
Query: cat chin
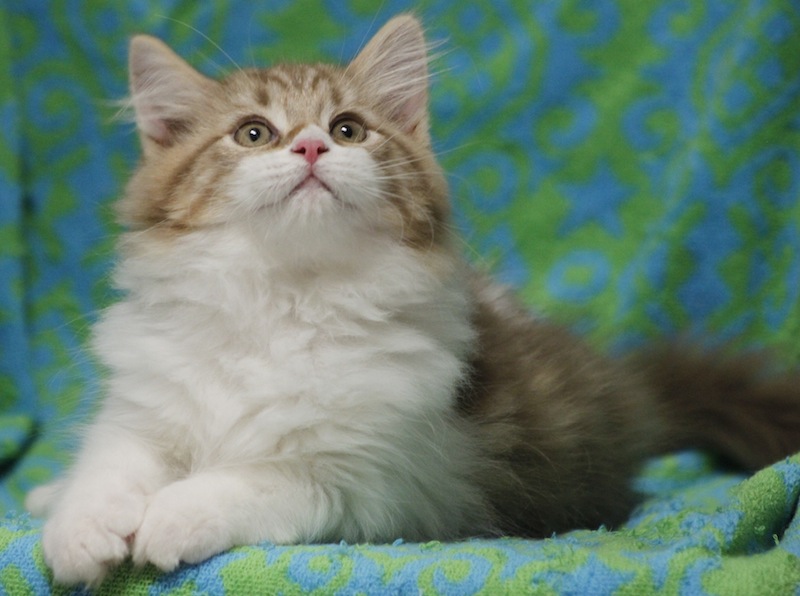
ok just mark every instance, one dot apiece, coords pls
pixel 313 196
pixel 310 199
pixel 312 184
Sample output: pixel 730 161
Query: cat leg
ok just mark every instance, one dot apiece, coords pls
pixel 195 518
pixel 102 503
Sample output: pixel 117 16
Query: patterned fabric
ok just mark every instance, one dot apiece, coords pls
pixel 701 532
pixel 632 167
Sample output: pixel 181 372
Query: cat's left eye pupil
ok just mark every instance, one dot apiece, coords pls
pixel 349 130
pixel 254 134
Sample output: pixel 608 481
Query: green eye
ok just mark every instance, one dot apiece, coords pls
pixel 254 134
pixel 348 130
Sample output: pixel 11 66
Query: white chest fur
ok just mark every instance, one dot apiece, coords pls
pixel 222 355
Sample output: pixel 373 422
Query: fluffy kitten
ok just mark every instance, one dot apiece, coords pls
pixel 302 355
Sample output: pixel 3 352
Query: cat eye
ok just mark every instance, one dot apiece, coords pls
pixel 254 134
pixel 348 130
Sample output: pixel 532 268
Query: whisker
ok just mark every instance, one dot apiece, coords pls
pixel 204 36
pixel 437 155
pixel 367 33
pixel 398 176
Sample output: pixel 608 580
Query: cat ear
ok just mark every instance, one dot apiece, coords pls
pixel 165 90
pixel 394 68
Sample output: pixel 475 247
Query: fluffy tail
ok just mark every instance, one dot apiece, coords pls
pixel 736 406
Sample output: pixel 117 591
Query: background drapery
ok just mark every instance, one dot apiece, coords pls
pixel 633 168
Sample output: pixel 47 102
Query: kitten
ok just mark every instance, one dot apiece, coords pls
pixel 302 355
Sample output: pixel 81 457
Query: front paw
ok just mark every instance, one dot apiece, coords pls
pixel 82 543
pixel 179 526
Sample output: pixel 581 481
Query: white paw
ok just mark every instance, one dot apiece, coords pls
pixel 179 526
pixel 84 540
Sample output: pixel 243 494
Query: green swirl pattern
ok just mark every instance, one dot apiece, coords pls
pixel 633 168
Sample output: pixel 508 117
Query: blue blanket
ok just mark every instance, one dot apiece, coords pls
pixel 632 167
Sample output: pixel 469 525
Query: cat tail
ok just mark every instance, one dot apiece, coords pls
pixel 737 406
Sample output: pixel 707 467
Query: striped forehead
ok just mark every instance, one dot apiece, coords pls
pixel 299 93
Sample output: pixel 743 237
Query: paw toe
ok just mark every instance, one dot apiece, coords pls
pixel 82 553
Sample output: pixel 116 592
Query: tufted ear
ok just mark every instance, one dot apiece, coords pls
pixel 165 91
pixel 394 69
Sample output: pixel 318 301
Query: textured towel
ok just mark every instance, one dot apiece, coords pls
pixel 701 531
pixel 632 167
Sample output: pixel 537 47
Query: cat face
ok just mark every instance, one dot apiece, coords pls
pixel 298 151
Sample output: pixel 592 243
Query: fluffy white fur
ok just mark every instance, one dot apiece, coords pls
pixel 251 403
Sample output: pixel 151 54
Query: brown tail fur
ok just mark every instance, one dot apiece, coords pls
pixel 564 429
pixel 737 406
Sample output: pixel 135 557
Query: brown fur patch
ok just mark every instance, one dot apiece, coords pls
pixel 564 428
pixel 261 96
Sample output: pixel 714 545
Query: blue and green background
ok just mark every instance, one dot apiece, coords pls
pixel 633 168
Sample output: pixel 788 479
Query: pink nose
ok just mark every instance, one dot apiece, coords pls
pixel 310 149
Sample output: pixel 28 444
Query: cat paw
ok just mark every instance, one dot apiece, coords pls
pixel 81 544
pixel 178 527
pixel 83 552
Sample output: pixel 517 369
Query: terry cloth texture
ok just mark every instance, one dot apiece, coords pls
pixel 632 167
